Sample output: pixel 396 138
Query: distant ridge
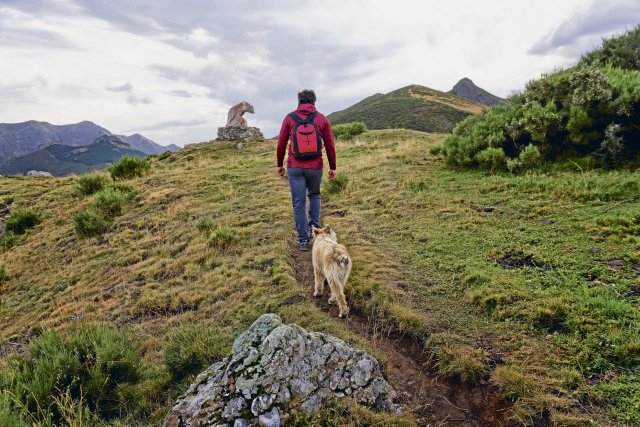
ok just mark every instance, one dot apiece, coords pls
pixel 60 160
pixel 18 139
pixel 412 107
pixel 465 88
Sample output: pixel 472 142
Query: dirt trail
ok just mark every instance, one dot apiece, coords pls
pixel 432 401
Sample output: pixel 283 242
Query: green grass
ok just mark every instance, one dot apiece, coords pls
pixel 207 247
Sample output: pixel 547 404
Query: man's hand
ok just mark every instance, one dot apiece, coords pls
pixel 281 170
pixel 332 174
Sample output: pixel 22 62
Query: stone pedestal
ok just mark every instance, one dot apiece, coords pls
pixel 239 133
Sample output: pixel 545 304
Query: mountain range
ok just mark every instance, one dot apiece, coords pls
pixel 19 139
pixel 60 160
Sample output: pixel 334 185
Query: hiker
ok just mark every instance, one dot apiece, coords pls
pixel 306 128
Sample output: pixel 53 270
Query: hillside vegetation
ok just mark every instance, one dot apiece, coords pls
pixel 589 113
pixel 529 283
pixel 412 107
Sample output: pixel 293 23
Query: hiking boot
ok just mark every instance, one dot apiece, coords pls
pixel 304 245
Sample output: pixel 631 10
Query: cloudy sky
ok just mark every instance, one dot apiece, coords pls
pixel 170 69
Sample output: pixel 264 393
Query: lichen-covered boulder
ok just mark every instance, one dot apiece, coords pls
pixel 276 369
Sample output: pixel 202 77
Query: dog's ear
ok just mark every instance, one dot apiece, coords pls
pixel 316 230
pixel 327 229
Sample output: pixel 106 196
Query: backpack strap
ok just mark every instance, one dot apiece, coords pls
pixel 296 118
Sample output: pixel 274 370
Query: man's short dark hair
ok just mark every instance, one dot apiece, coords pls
pixel 307 96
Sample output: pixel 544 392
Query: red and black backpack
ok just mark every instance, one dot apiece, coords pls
pixel 306 140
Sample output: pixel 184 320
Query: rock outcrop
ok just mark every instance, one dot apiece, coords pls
pixel 276 370
pixel 38 173
pixel 237 133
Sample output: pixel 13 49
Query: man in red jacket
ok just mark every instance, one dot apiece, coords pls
pixel 305 128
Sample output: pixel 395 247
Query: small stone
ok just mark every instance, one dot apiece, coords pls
pixel 261 403
pixel 270 419
pixel 240 146
pixel 241 422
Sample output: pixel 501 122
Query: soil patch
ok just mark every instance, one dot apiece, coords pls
pixel 521 260
pixel 431 400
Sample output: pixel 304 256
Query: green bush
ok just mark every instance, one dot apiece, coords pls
pixel 97 365
pixel 128 167
pixel 90 184
pixel 22 220
pixel 191 349
pixel 110 202
pixel 164 155
pixel 90 223
pixel 619 51
pixel 338 184
pixel 530 157
pixel 348 130
pixel 589 111
pixel 491 159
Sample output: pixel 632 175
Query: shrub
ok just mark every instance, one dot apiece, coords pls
pixel 530 157
pixel 110 202
pixel 619 51
pixel 191 349
pixel 587 111
pixel 491 159
pixel 348 130
pixel 90 223
pixel 22 220
pixel 128 167
pixel 90 184
pixel 164 155
pixel 3 275
pixel 338 184
pixel 95 364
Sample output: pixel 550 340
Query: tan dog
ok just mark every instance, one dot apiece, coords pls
pixel 331 261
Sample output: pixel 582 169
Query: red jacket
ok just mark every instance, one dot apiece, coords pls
pixel 286 134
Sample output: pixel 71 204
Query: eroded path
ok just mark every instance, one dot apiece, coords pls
pixel 431 400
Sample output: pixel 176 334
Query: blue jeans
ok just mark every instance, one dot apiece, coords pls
pixel 305 183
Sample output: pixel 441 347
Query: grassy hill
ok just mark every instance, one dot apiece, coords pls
pixel 524 286
pixel 62 160
pixel 413 107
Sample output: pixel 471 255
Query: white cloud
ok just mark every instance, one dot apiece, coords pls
pixel 170 70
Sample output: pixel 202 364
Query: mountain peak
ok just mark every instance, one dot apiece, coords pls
pixel 465 88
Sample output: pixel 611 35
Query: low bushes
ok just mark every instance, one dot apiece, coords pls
pixel 108 204
pixel 348 130
pixel 591 110
pixel 22 220
pixel 96 366
pixel 90 184
pixel 128 167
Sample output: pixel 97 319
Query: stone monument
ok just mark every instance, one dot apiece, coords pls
pixel 236 128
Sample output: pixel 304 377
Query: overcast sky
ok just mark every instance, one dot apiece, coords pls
pixel 170 69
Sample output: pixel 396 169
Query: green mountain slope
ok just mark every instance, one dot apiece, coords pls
pixel 413 107
pixel 62 160
pixel 529 283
